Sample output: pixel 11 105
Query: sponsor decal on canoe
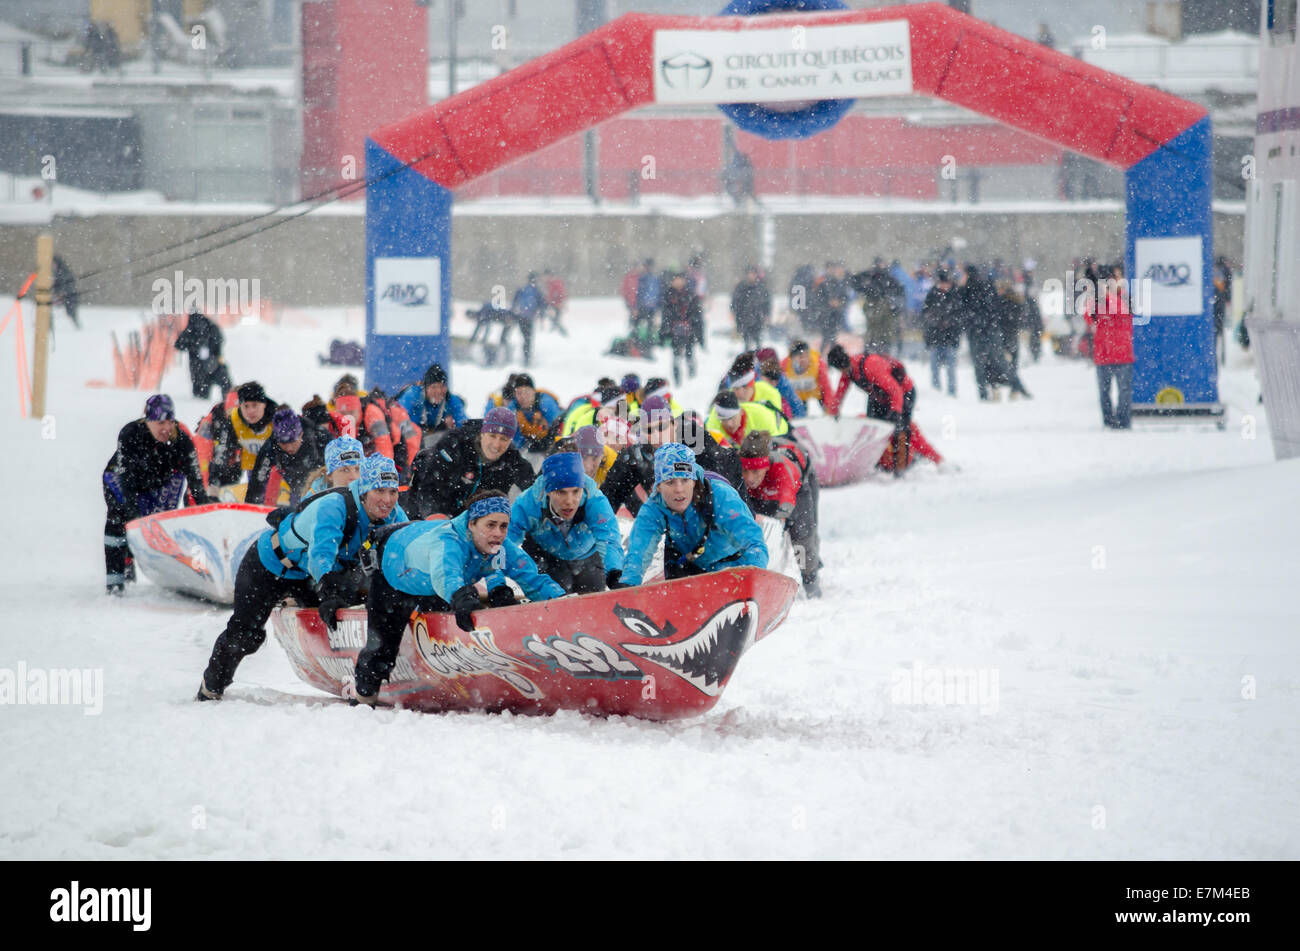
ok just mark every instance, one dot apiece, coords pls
pixel 479 657
pixel 584 656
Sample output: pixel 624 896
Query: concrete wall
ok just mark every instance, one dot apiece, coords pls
pixel 318 260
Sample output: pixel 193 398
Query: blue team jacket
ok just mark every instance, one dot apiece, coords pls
pixel 733 530
pixel 321 524
pixel 597 530
pixel 428 415
pixel 439 558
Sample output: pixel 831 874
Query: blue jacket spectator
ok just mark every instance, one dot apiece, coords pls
pixel 431 406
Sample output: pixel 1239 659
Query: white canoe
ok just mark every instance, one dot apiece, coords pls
pixel 196 550
pixel 843 450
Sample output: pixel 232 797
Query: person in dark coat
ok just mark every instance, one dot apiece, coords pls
pixel 1009 307
pixel 681 313
pixel 64 289
pixel 941 322
pixel 1222 301
pixel 203 341
pixel 292 454
pixel 751 307
pixel 238 435
pixel 1033 315
pixel 830 302
pixel 800 291
pixel 882 306
pixel 979 314
pixel 150 471
pixel 475 457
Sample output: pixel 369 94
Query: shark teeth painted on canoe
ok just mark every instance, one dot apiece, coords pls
pixel 707 658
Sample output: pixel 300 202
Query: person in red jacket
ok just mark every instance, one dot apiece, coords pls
pixel 1108 317
pixel 556 293
pixel 890 396
pixel 780 483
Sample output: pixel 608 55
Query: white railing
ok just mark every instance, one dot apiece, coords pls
pixel 1208 60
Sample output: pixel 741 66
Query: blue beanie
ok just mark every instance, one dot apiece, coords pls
pixel 563 471
pixel 674 461
pixel 344 451
pixel 377 472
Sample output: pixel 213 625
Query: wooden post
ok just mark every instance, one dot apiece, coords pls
pixel 41 343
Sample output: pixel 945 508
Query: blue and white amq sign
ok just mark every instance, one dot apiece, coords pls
pixel 1171 270
pixel 408 301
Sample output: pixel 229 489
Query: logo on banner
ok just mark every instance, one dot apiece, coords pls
pixel 832 62
pixel 408 296
pixel 1169 275
pixel 1173 268
pixel 687 70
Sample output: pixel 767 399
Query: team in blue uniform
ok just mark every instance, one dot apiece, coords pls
pixel 311 556
pixel 703 522
pixel 434 566
pixel 567 527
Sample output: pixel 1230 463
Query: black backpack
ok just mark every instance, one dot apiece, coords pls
pixel 277 516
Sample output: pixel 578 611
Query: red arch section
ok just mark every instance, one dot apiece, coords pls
pixel 955 57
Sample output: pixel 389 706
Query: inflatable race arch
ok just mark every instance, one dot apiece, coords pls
pixel 790 69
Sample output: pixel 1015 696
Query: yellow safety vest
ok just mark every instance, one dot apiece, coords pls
pixel 250 439
pixel 757 418
pixel 806 385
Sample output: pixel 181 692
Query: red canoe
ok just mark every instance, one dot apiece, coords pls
pixel 660 651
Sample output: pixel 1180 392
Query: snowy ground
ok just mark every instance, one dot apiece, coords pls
pixel 1125 599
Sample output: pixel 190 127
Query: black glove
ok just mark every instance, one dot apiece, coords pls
pixel 329 611
pixel 337 590
pixel 613 580
pixel 464 602
pixel 501 597
pixel 899 421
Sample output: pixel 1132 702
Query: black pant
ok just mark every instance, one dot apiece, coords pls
pixel 257 592
pixel 576 576
pixel 526 330
pixel 389 611
pixel 802 527
pixel 116 553
pixel 878 405
pixel 683 350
